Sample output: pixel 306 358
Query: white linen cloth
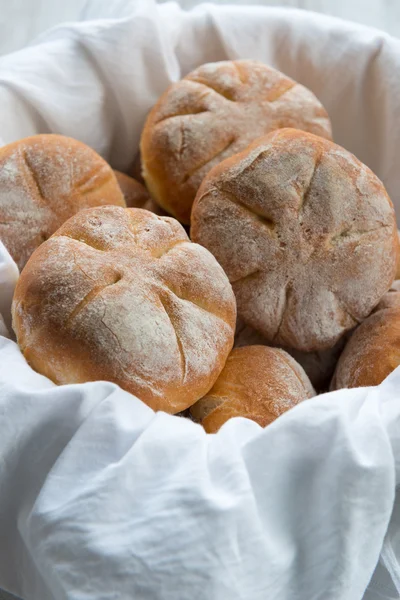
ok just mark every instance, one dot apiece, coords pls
pixel 22 20
pixel 102 498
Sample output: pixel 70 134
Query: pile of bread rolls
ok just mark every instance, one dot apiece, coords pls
pixel 252 267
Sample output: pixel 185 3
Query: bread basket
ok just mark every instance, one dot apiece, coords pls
pixel 101 497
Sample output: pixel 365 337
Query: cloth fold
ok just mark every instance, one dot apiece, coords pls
pixel 99 496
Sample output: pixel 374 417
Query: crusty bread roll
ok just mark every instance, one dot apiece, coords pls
pixel 123 295
pixel 319 366
pixel 398 263
pixel 135 194
pixel 257 382
pixel 44 180
pixel 372 352
pixel 306 234
pixel 214 112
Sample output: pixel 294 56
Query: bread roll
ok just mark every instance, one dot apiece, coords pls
pixel 213 113
pixel 319 366
pixel 123 295
pixel 44 180
pixel 306 234
pixel 398 263
pixel 372 352
pixel 257 382
pixel 135 194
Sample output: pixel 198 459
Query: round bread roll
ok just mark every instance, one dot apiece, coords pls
pixel 319 366
pixel 372 352
pixel 213 113
pixel 44 180
pixel 123 295
pixel 306 234
pixel 135 194
pixel 257 382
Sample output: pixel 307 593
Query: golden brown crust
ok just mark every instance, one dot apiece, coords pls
pixel 257 382
pixel 44 180
pixel 306 234
pixel 135 194
pixel 123 295
pixel 372 352
pixel 215 112
pixel 319 366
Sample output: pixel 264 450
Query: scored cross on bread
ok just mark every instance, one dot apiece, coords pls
pixel 215 111
pixel 124 295
pixel 306 234
pixel 44 180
